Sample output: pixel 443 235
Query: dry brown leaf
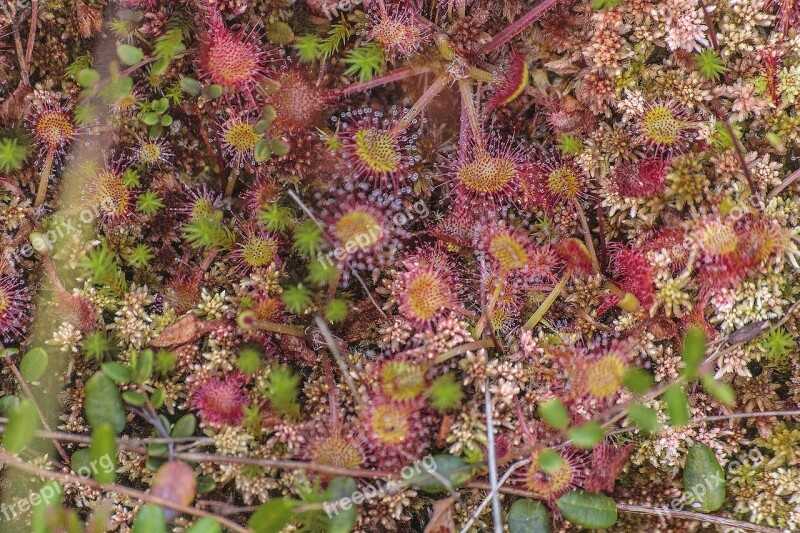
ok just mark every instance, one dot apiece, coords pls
pixel 442 518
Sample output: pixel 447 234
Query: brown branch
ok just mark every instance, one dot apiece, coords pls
pixel 32 31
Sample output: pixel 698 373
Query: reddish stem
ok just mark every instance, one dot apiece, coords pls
pixel 517 27
pixel 389 77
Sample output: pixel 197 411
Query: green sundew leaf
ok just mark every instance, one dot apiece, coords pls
pixel 50 496
pixel 128 54
pixel 23 421
pixel 87 77
pixel 703 479
pixel 528 516
pixel 150 519
pixel 344 520
pixel 693 351
pixel 710 65
pixel 589 510
pixel 677 405
pixel 722 392
pixel 103 403
pixel 454 469
pixel 184 427
pixel 445 393
pixel 644 417
pixel 34 364
pixel 190 85
pixel 554 414
pixel 587 435
pixel 272 516
pixel 262 150
pixel 118 372
pixel 550 461
pixel 637 380
pixel 205 525
pixel 103 452
pixel 134 398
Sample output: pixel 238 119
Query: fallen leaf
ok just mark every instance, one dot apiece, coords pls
pixel 442 517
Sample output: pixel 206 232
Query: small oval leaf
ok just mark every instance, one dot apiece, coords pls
pixel 117 372
pixel 103 404
pixel 272 516
pixel 23 421
pixel 554 414
pixel 454 469
pixel 703 479
pixel 103 453
pixel 150 519
pixel 589 510
pixel 34 364
pixel 528 516
pixel 205 525
pixel 128 54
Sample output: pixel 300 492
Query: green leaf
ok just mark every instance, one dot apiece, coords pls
pixel 710 65
pixel 365 62
pixel 166 121
pixel 184 427
pixel 118 372
pixel 50 496
pixel 279 147
pixel 23 421
pixel 262 151
pixel 703 479
pixel 344 520
pixel 693 351
pixel 157 398
pixel 103 404
pixel 134 398
pixel 589 510
pixel 212 92
pixel 144 366
pixel 644 417
pixel 159 67
pixel 637 380
pixel 336 310
pixel 599 5
pixel 128 54
pixel 677 405
pixel 528 516
pixel 272 516
pixel 103 452
pixel 550 461
pixel 190 85
pixel 151 119
pixel 205 525
pixel 34 364
pixel 150 519
pixel 309 48
pixel 279 33
pixel 722 392
pixel 87 77
pixel 205 484
pixel 454 469
pixel 587 435
pixel 445 393
pixel 554 414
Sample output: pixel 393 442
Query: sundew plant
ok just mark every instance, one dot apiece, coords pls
pixel 428 266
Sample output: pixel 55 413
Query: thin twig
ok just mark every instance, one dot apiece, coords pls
pixel 419 106
pixel 791 178
pixel 13 462
pixel 24 385
pixel 390 77
pixel 337 355
pixel 487 406
pixel 492 492
pixel 32 31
